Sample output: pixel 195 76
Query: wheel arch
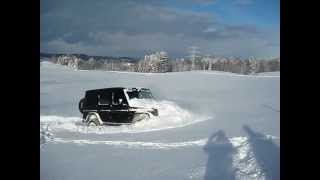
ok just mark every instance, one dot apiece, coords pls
pixel 96 114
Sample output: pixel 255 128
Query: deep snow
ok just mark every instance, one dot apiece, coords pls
pixel 212 125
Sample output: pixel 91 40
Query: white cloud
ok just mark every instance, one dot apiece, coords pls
pixel 210 29
pixel 130 29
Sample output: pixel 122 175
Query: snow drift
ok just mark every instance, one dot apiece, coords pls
pixel 170 116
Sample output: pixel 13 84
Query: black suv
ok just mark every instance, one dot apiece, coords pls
pixel 111 106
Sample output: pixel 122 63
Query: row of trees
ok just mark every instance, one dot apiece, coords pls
pixel 75 62
pixel 235 65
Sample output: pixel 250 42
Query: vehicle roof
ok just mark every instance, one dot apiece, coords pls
pixel 112 89
pixel 105 89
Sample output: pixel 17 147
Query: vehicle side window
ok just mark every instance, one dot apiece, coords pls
pixel 133 94
pixel 91 99
pixel 105 98
pixel 119 98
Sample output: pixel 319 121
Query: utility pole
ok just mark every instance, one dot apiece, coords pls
pixel 194 51
pixel 208 60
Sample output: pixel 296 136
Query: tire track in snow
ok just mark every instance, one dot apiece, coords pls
pixel 236 141
pixel 240 161
pixel 271 108
pixel 74 124
pixel 245 161
pixel 134 144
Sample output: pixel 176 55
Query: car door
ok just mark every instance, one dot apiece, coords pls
pixel 104 106
pixel 120 108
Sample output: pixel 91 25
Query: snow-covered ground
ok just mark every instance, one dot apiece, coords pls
pixel 212 125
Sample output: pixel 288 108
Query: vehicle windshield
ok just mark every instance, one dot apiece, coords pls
pixel 145 94
pixel 140 94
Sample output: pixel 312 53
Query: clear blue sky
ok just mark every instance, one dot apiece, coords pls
pixel 262 13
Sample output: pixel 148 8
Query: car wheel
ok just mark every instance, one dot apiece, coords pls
pixel 140 117
pixel 92 120
pixel 92 123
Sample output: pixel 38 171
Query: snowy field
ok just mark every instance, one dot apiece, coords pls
pixel 212 125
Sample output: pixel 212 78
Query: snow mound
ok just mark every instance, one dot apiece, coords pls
pixel 170 116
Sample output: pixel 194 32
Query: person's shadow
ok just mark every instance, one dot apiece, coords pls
pixel 219 165
pixel 266 152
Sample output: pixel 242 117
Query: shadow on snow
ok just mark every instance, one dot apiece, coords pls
pixel 220 156
pixel 219 150
pixel 266 152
